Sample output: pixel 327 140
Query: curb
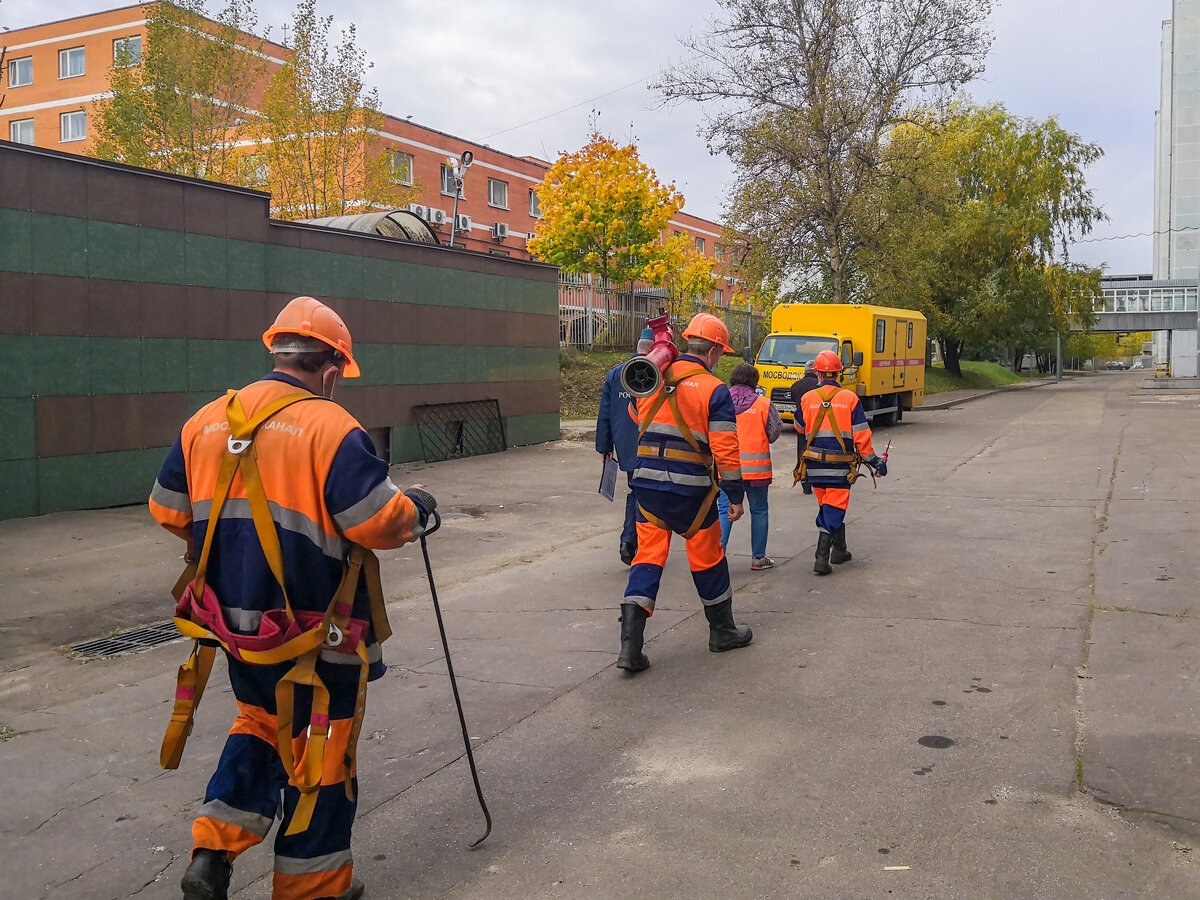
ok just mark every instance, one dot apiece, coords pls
pixel 980 394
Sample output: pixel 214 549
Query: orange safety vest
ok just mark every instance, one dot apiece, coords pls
pixel 752 439
pixel 284 635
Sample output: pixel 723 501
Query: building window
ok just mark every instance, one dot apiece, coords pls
pixel 719 295
pixel 535 205
pixel 880 335
pixel 448 182
pixel 700 244
pixel 499 253
pixel 20 71
pixel 72 126
pixel 401 167
pixel 70 63
pixel 127 51
pixel 498 193
pixel 20 131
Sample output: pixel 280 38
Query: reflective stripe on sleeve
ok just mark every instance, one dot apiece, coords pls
pixel 370 505
pixel 730 474
pixel 169 499
pixel 722 426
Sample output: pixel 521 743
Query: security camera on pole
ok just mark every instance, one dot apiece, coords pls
pixel 458 171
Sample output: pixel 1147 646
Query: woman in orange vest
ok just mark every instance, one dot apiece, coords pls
pixel 758 427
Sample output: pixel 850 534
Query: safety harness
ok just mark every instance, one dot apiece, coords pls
pixel 842 455
pixel 283 634
pixel 667 395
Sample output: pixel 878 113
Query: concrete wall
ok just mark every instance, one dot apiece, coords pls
pixel 128 299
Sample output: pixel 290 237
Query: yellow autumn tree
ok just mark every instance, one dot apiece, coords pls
pixel 685 273
pixel 603 213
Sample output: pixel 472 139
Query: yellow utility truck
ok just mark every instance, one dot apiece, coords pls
pixel 882 350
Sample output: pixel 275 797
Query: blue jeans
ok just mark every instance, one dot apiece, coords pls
pixel 756 499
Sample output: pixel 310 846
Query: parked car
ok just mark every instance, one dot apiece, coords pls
pixel 1116 364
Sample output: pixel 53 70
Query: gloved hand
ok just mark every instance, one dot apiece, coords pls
pixel 418 495
pixel 805 486
pixel 879 465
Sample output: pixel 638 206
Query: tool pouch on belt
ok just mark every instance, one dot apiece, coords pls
pixel 666 394
pixel 283 634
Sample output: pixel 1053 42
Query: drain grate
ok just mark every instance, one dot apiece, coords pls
pixel 455 430
pixel 135 639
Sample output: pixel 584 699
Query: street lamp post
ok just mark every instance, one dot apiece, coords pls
pixel 458 171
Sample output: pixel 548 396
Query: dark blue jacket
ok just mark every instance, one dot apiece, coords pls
pixel 615 426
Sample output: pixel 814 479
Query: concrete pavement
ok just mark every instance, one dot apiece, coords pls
pixel 995 698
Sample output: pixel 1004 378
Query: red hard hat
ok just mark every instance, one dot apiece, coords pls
pixel 310 317
pixel 710 328
pixel 828 361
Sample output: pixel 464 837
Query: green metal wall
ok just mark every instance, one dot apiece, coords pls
pixel 112 332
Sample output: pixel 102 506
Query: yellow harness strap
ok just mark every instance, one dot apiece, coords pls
pixel 667 395
pixel 816 453
pixel 304 648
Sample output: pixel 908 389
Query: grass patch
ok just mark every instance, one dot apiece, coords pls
pixel 583 376
pixel 975 375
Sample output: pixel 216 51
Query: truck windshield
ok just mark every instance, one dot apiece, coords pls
pixel 793 350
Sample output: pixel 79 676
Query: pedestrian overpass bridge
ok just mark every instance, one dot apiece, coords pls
pixel 1128 303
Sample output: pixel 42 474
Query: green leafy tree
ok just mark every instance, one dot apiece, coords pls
pixel 179 109
pixel 318 150
pixel 979 221
pixel 802 96
pixel 604 212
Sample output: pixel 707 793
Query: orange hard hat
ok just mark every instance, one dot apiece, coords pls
pixel 710 328
pixel 310 317
pixel 827 361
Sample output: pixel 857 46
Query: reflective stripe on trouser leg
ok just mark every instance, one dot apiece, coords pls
pixel 317 862
pixel 710 571
pixel 646 572
pixel 242 796
pixel 832 511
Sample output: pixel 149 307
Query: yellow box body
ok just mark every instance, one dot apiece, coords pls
pixel 891 378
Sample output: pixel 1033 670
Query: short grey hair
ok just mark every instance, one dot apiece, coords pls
pixel 299 351
pixel 644 345
pixel 700 346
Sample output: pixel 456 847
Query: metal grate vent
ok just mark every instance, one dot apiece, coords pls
pixel 457 430
pixel 134 639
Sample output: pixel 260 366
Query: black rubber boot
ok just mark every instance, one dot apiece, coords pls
pixel 824 546
pixel 839 554
pixel 723 634
pixel 633 629
pixel 207 876
pixel 354 892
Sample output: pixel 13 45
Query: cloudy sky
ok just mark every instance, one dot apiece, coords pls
pixel 524 75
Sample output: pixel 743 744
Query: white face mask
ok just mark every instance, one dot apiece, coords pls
pixel 329 381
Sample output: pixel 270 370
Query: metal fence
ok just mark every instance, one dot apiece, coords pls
pixel 590 317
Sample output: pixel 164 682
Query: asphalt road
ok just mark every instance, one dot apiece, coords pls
pixel 996 698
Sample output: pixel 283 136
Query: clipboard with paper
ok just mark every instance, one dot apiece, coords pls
pixel 608 477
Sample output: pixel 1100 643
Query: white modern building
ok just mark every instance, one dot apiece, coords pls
pixel 1177 173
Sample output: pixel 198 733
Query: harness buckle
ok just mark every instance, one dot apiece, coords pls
pixel 334 637
pixel 237 447
pixel 328 731
pixel 669 389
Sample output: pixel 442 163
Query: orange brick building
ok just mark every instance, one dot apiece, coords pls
pixel 55 73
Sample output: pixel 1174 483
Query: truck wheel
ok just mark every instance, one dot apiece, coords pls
pixel 887 419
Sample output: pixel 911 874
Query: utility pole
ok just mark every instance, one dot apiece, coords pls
pixel 458 171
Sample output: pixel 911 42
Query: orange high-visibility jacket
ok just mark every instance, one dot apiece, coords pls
pixel 666 461
pixel 325 487
pixel 753 442
pixel 847 415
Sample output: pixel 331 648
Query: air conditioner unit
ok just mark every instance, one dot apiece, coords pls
pixel 437 217
pixel 462 223
pixel 500 231
pixel 418 210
